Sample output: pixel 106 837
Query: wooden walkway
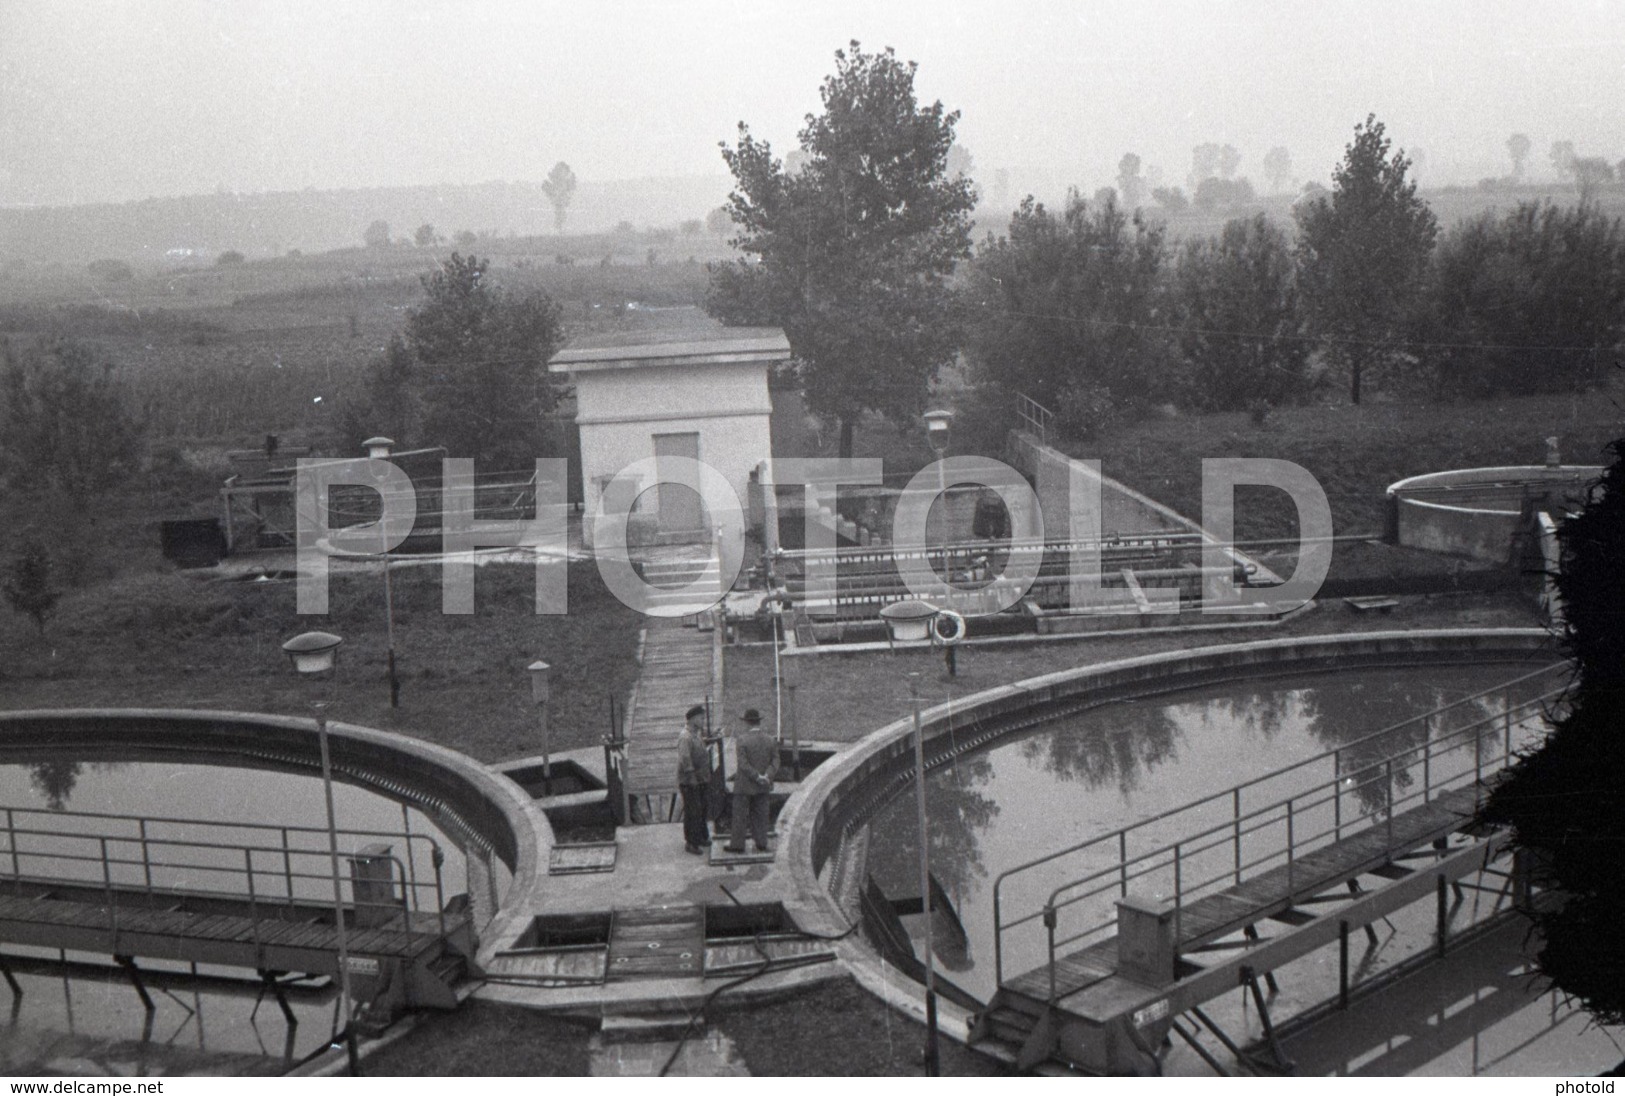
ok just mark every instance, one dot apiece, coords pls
pixel 676 675
pixel 661 942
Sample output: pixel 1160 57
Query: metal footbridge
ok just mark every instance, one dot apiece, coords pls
pixel 1108 948
pixel 244 895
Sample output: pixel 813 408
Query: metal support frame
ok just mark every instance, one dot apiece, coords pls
pixel 1251 933
pixel 1250 979
pixel 271 980
pixel 11 979
pixel 1241 1056
pixel 134 974
pixel 1213 1063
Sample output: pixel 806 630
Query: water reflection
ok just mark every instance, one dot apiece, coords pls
pixel 54 781
pixel 1138 737
pixel 1086 775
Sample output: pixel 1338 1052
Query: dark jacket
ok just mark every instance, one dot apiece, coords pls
pixel 693 759
pixel 758 755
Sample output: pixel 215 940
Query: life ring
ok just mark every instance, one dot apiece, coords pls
pixel 947 628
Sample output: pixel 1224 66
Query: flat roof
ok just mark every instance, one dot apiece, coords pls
pixel 641 350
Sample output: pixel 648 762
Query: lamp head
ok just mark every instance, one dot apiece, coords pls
pixel 312 652
pixel 936 428
pixel 378 448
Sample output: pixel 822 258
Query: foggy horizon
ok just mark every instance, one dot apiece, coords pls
pixel 169 98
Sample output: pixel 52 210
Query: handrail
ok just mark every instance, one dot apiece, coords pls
pixel 1119 870
pixel 1035 416
pixel 148 854
pixel 270 827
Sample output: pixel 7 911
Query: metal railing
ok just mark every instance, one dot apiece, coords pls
pixel 1035 417
pixel 277 868
pixel 1221 840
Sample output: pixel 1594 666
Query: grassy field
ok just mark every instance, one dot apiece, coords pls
pixel 168 639
pixel 1354 452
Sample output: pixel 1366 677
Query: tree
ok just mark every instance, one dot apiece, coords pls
pixel 560 188
pixel 1069 309
pixel 1223 193
pixel 65 421
pixel 482 356
pixel 1591 172
pixel 464 238
pixel 425 236
pixel 1562 157
pixel 1130 186
pixel 377 234
pixel 1565 802
pixel 1229 162
pixel 1171 198
pixel 1518 146
pixel 1238 307
pixel 229 258
pixel 1278 167
pixel 1362 256
pixel 852 255
pixel 718 221
pixel 29 586
pixel 1532 301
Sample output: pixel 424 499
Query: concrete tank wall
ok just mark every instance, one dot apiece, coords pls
pixel 1474 512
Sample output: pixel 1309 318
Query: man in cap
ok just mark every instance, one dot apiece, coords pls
pixel 694 779
pixel 757 763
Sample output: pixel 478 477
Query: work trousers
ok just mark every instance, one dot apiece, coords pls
pixel 695 831
pixel 755 806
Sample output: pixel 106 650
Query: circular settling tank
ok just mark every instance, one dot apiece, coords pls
pixel 1475 511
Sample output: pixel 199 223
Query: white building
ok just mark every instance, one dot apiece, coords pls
pixel 706 400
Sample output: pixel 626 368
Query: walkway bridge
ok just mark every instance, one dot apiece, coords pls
pixel 252 896
pixel 1102 949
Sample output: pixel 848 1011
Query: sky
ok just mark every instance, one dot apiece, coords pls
pixel 102 100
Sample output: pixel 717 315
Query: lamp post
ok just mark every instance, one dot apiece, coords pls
pixel 931 1059
pixel 314 653
pixel 541 691
pixel 378 448
pixel 936 432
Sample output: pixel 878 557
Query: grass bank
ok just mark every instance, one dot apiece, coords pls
pixel 185 640
pixel 1354 452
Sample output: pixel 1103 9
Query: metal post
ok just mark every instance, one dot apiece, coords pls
pixel 1390 768
pixel 287 866
pixel 931 1060
pixel 795 736
pixel 1342 964
pixel 11 839
pixel 1337 795
pixel 1122 863
pixel 1443 917
pixel 1290 857
pixel 146 857
pixel 333 854
pixel 389 607
pixel 1236 812
pixel 1427 760
pixel 1050 920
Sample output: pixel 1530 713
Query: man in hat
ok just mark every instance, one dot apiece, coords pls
pixel 756 764
pixel 694 779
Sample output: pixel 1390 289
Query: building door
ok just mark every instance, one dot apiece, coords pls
pixel 679 498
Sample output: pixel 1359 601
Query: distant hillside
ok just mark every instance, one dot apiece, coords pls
pixel 265 225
